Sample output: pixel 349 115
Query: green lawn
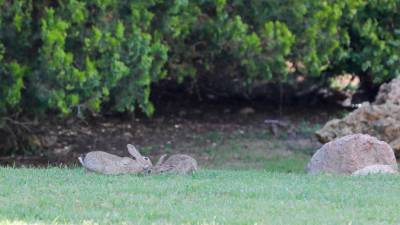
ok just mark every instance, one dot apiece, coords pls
pixel 73 196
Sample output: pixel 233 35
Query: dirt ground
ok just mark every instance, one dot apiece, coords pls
pixel 239 134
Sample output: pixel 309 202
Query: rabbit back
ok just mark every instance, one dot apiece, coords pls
pixel 106 163
pixel 178 163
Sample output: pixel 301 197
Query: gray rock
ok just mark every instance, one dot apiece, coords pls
pixel 389 92
pixel 350 153
pixel 375 169
pixel 380 119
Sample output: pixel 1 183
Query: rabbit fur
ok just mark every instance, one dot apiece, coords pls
pixel 177 163
pixel 106 163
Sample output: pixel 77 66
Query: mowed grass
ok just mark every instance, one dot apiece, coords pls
pixel 74 196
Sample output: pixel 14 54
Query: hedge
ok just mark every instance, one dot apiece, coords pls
pixel 103 55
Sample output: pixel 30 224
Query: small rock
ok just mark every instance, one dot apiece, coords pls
pixel 211 96
pixel 107 125
pixel 71 133
pixel 375 169
pixel 247 111
pixel 86 131
pixel 63 151
pixel 128 135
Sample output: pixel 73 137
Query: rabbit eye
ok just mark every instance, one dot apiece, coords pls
pixel 146 158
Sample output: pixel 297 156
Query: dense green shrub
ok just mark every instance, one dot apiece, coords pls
pixel 257 40
pixel 103 55
pixel 69 54
pixel 373 44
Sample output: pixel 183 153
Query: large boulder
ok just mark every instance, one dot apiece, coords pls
pixel 380 119
pixel 350 153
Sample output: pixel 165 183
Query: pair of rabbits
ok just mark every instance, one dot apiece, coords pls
pixel 106 163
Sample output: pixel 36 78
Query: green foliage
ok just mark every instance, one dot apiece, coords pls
pixel 277 40
pixel 103 55
pixel 93 55
pixel 374 32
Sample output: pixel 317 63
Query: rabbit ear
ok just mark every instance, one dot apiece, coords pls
pixel 161 159
pixel 143 161
pixel 133 151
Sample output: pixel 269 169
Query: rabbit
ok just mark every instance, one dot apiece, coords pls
pixel 178 164
pixel 106 163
